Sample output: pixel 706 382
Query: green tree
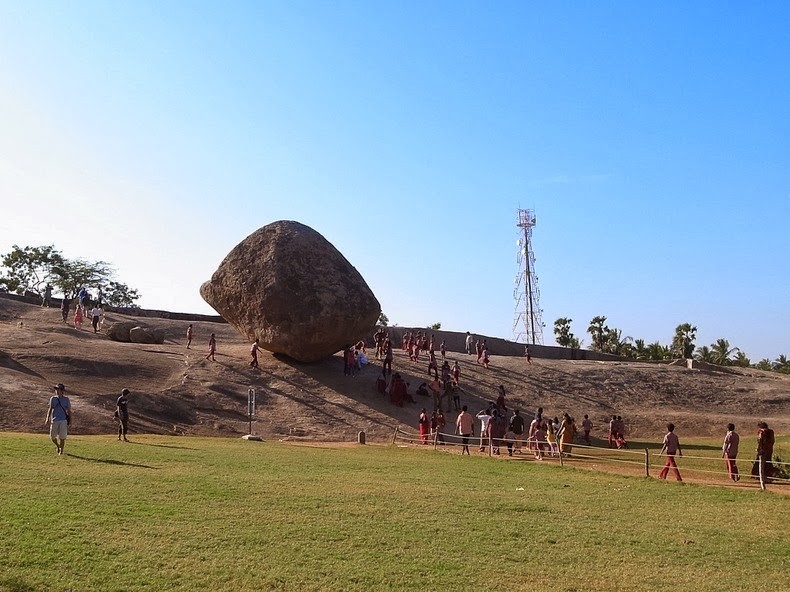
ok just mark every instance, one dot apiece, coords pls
pixel 640 350
pixel 73 274
pixel 617 344
pixel 599 333
pixel 683 342
pixel 741 360
pixel 782 364
pixel 656 351
pixel 722 351
pixel 436 326
pixel 704 354
pixel 30 269
pixel 562 329
pixel 764 364
pixel 120 295
pixel 383 320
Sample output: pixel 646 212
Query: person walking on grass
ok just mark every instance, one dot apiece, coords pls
pixel 516 426
pixel 671 446
pixel 765 451
pixel 59 417
pixel 424 424
pixel 465 427
pixel 122 414
pixel 212 348
pixel 729 452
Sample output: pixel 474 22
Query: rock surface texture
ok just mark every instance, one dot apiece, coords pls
pixel 290 288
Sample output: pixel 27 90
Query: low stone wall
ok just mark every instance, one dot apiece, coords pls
pixel 456 343
pixel 131 312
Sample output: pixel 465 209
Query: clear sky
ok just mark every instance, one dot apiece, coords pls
pixel 651 139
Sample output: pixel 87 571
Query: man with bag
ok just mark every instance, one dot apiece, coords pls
pixel 59 417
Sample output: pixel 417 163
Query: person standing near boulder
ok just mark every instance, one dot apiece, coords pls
pixel 189 335
pixel 59 417
pixel 212 348
pixel 122 413
pixel 468 343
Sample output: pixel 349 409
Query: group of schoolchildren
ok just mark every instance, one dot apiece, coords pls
pixel 544 436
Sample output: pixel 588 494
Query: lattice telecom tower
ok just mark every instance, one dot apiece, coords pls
pixel 528 321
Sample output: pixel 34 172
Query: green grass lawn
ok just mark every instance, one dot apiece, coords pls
pixel 167 513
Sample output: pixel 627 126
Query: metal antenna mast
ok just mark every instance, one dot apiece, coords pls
pixel 528 321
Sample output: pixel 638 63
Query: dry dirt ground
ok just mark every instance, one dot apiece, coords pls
pixel 177 391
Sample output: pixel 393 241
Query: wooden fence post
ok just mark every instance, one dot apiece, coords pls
pixel 761 465
pixel 647 462
pixel 395 435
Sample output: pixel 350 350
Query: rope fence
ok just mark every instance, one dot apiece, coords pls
pixel 596 453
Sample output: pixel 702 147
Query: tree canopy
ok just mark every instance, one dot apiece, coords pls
pixel 31 269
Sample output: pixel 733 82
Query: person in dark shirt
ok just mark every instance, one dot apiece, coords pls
pixel 122 413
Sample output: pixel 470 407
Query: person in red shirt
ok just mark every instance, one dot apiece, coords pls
pixel 671 446
pixel 425 426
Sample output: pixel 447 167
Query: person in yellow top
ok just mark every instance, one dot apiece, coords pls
pixel 567 434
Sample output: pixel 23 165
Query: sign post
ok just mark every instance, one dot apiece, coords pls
pixel 250 406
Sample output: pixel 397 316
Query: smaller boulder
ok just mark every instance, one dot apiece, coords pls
pixel 120 331
pixel 141 335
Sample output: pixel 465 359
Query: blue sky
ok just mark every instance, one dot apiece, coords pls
pixel 652 141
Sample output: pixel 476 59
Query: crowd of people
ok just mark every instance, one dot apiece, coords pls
pixel 499 428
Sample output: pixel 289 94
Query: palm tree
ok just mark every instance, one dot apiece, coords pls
pixel 599 331
pixel 741 360
pixel 562 329
pixel 704 354
pixel 656 351
pixel 722 352
pixel 683 342
pixel 782 364
pixel 764 364
pixel 617 344
pixel 640 349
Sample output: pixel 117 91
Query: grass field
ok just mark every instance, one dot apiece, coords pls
pixel 165 513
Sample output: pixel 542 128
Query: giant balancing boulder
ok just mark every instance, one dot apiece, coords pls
pixel 290 288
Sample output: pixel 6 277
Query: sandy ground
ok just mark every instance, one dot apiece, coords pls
pixel 177 391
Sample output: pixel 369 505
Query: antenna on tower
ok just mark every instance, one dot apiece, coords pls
pixel 528 321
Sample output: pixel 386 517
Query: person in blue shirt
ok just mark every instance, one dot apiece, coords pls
pixel 59 417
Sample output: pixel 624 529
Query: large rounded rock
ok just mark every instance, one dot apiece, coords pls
pixel 290 288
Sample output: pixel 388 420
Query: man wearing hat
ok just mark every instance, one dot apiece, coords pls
pixel 59 417
pixel 122 412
